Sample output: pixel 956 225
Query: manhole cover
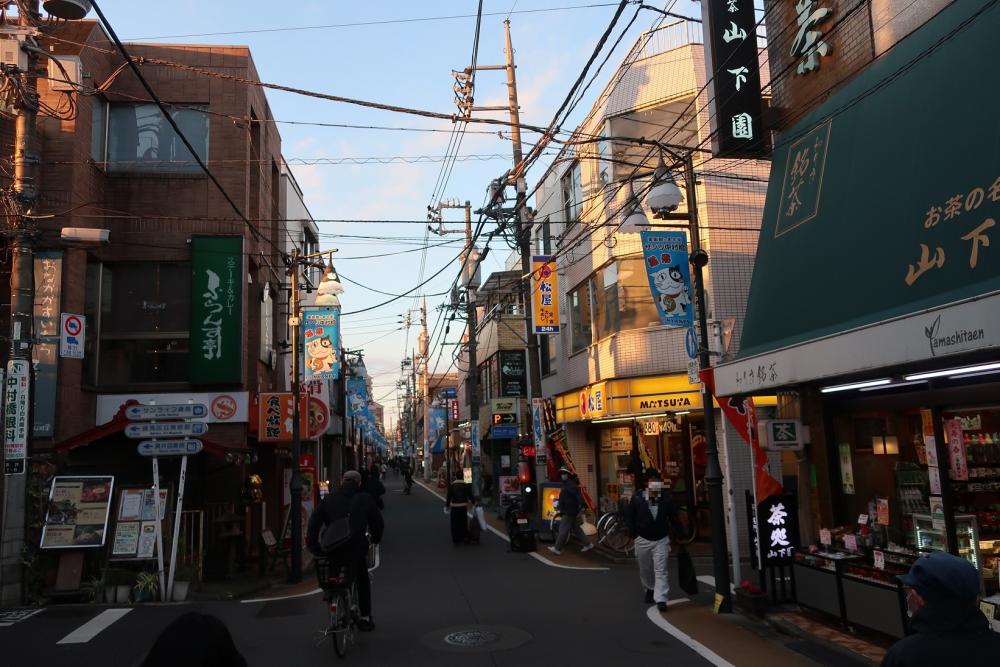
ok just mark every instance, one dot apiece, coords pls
pixel 475 638
pixel 471 638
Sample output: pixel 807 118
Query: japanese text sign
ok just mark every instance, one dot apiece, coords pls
pixel 321 338
pixel 217 280
pixel 958 464
pixel 733 67
pixel 47 348
pixel 545 295
pixel 778 521
pixel 666 258
pixel 276 410
pixel 15 416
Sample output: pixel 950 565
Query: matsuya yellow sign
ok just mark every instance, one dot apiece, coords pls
pixel 545 295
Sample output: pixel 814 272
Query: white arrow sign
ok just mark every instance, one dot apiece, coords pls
pixel 166 430
pixel 150 412
pixel 169 447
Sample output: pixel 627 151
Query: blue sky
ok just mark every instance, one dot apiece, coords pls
pixel 407 64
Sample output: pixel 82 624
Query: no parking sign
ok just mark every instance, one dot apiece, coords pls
pixel 71 336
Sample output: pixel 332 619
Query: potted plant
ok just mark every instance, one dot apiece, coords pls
pixel 93 588
pixel 182 581
pixel 147 585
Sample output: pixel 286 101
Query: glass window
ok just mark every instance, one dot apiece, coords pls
pixel 637 309
pixel 572 192
pixel 98 116
pixel 605 171
pixel 141 139
pixel 543 239
pixel 606 310
pixel 579 314
pixel 143 325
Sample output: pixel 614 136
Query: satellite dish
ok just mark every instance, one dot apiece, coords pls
pixel 72 10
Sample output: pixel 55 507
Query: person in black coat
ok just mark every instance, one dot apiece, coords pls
pixel 365 516
pixel 651 517
pixel 942 592
pixel 371 483
pixel 570 504
pixel 457 502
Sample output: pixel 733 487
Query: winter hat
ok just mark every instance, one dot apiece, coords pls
pixel 940 577
pixel 352 476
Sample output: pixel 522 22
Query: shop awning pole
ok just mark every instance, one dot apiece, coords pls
pixel 177 528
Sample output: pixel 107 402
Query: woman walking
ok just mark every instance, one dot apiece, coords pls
pixel 457 502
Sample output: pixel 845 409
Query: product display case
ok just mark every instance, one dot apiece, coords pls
pixel 928 538
pixel 818 580
pixel 873 598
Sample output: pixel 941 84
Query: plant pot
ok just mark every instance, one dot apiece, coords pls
pixel 754 604
pixel 141 595
pixel 121 593
pixel 109 593
pixel 181 590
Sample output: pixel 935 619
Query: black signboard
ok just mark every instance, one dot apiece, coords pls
pixel 513 378
pixel 778 526
pixel 732 62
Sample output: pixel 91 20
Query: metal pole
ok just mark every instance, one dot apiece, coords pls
pixel 22 301
pixel 159 526
pixel 177 529
pixel 295 486
pixel 524 237
pixel 713 470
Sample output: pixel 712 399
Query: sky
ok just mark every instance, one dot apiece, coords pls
pixel 406 64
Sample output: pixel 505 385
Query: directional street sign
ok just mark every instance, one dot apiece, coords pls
pixel 169 447
pixel 503 432
pixel 165 430
pixel 504 419
pixel 150 412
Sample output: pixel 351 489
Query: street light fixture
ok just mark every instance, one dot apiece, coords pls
pixel 664 196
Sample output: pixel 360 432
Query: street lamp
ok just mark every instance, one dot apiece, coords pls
pixel 664 196
pixel 329 287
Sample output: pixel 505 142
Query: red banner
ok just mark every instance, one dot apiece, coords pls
pixel 743 416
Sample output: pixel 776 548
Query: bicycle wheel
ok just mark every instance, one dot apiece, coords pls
pixel 340 623
pixel 617 537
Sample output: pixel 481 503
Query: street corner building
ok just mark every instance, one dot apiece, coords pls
pixel 153 288
pixel 874 308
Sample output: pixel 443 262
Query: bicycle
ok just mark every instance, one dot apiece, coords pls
pixel 340 591
pixel 612 533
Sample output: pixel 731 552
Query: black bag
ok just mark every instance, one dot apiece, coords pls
pixel 475 530
pixel 685 572
pixel 336 534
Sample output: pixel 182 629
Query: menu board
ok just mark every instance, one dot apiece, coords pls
pixel 77 516
pixel 135 527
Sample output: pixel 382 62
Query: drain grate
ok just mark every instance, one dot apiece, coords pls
pixel 471 638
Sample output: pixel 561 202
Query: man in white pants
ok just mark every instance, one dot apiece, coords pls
pixel 651 518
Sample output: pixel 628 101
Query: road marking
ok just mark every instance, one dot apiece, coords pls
pixel 94 626
pixel 283 597
pixel 9 618
pixel 656 617
pixel 709 580
pixel 537 556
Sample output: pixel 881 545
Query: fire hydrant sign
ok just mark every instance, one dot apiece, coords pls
pixel 72 334
pixel 15 417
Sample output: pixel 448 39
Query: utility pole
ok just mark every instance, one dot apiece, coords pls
pixel 295 486
pixel 472 372
pixel 22 234
pixel 425 387
pixel 524 236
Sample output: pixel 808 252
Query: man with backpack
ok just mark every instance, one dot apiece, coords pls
pixel 337 531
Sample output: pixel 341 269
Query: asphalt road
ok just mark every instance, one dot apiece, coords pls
pixel 425 588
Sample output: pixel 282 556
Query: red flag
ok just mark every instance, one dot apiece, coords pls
pixel 741 414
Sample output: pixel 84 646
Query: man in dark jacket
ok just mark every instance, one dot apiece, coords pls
pixel 570 503
pixel 371 483
pixel 651 518
pixel 942 592
pixel 364 515
pixel 457 503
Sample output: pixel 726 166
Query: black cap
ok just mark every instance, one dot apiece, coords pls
pixel 942 577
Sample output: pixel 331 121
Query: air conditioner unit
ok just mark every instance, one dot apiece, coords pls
pixel 11 53
pixel 68 80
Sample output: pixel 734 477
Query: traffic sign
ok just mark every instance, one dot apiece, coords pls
pixel 165 430
pixel 691 343
pixel 504 419
pixel 503 432
pixel 150 412
pixel 169 447
pixel 71 336
pixel 449 392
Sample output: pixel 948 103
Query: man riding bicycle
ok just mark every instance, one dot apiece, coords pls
pixel 351 502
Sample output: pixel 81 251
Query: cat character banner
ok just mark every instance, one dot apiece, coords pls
pixel 321 338
pixel 669 273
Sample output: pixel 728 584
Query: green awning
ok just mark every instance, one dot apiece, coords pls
pixel 884 201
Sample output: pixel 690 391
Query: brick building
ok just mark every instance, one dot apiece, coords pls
pixel 150 327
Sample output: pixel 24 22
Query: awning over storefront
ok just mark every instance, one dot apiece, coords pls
pixel 638 397
pixel 883 204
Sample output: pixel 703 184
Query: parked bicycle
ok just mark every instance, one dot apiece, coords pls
pixel 612 533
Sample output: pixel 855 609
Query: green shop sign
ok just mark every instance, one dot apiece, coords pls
pixel 884 201
pixel 217 309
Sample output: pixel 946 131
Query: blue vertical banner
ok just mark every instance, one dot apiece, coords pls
pixel 669 273
pixel 321 339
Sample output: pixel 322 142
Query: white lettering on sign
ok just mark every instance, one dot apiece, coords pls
pixel 211 326
pixel 808 44
pixel 733 32
pixel 742 126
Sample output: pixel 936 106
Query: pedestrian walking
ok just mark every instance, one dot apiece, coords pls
pixel 651 518
pixel 570 503
pixel 457 502
pixel 942 594
pixel 196 640
pixel 372 485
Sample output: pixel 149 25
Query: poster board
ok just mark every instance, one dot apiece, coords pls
pixel 135 523
pixel 77 517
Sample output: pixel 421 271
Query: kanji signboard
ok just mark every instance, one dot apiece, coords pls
pixel 545 295
pixel 778 523
pixel 217 280
pixel 276 410
pixel 15 416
